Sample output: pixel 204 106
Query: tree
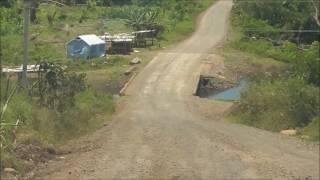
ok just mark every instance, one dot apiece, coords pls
pixel 316 16
pixel 293 15
pixel 6 3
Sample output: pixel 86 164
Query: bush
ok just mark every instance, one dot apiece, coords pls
pixel 276 103
pixel 264 16
pixel 279 104
pixel 57 87
pixel 59 107
pixel 305 63
pixel 40 126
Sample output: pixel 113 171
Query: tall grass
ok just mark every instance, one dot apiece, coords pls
pixel 40 125
pixel 312 131
pixel 279 104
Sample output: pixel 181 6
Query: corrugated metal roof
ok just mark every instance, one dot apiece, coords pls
pixel 91 39
pixel 143 31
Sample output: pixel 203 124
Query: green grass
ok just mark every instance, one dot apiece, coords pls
pixel 273 104
pixel 311 132
pixel 250 63
pixel 182 29
pixel 279 104
pixel 42 126
pixel 246 61
pixel 180 32
pixel 108 77
pixel 277 99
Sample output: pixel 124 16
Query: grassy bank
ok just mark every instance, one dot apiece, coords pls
pixel 277 98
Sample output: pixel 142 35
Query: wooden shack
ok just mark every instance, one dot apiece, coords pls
pixel 123 43
pixel 118 43
pixel 144 38
pixel 121 46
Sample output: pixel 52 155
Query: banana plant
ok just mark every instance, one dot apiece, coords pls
pixel 142 18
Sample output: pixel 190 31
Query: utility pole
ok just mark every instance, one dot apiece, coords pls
pixel 24 79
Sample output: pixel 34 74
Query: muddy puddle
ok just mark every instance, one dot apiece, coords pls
pixel 224 93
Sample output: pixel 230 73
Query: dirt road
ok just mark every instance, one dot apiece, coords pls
pixel 160 134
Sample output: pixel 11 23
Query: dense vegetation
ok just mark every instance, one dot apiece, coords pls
pixel 287 31
pixel 275 20
pixel 59 103
pixel 57 107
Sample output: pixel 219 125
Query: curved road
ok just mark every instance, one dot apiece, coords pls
pixel 159 134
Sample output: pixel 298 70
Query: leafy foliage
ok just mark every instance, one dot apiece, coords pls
pixel 143 18
pixel 58 107
pixel 10 22
pixel 305 63
pixel 274 29
pixel 279 16
pixel 57 87
pixel 280 104
pixel 266 29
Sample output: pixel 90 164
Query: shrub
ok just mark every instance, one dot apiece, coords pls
pixel 279 104
pixel 305 63
pixel 264 16
pixel 57 87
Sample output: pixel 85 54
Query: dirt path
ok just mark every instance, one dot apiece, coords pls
pixel 159 134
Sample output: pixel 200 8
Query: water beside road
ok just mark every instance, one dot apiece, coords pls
pixel 232 94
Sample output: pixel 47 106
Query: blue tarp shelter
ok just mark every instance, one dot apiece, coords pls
pixel 86 47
